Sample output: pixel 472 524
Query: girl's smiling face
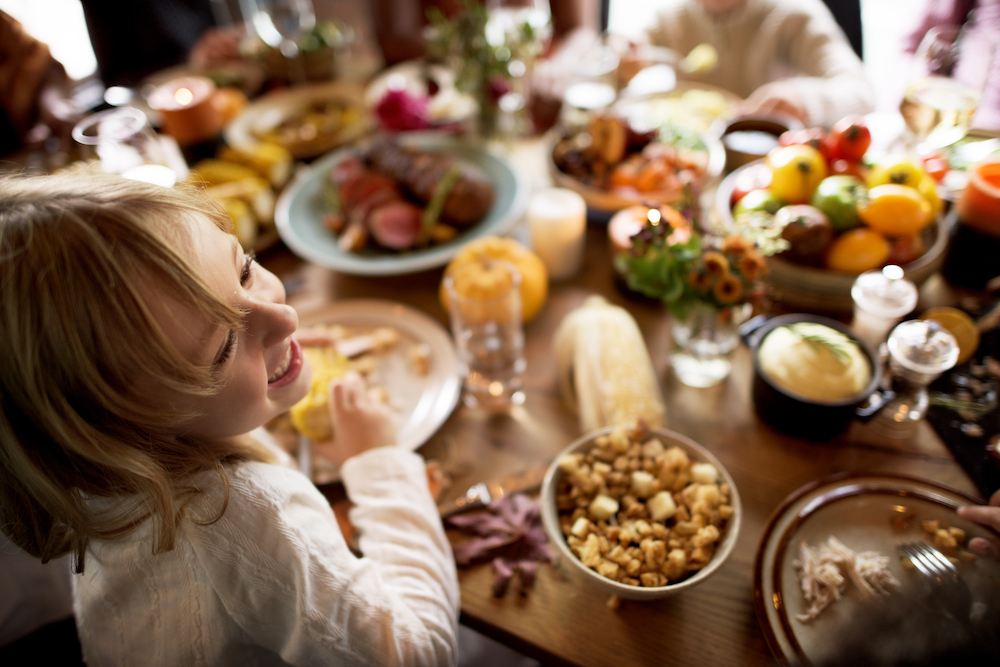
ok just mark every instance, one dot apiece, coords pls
pixel 260 368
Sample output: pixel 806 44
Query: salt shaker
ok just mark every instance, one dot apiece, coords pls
pixel 881 299
pixel 919 351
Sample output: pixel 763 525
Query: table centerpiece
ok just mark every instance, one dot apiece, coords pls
pixel 710 283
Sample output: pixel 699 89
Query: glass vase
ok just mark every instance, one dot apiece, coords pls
pixel 704 341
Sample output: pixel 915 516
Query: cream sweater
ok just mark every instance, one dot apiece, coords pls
pixel 767 40
pixel 273 582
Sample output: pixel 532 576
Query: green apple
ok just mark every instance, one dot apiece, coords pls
pixel 758 200
pixel 839 197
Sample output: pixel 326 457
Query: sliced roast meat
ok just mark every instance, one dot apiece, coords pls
pixel 395 225
pixel 419 173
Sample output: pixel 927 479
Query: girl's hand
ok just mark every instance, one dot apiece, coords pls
pixel 359 422
pixel 988 515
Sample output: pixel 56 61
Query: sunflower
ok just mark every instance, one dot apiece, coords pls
pixel 736 245
pixel 728 289
pixel 701 282
pixel 715 263
pixel 752 266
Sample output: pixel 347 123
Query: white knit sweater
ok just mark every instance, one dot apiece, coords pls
pixel 273 582
pixel 766 40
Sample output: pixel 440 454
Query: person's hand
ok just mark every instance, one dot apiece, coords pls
pixel 359 422
pixel 217 46
pixel 988 515
pixel 775 97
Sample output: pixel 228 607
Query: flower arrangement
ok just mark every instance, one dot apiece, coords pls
pixel 485 60
pixel 668 260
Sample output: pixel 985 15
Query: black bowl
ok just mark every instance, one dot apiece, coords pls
pixel 799 416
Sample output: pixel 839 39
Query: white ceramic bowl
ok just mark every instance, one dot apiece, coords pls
pixel 697 453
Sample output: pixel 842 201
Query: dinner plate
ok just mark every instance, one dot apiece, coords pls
pixel 857 510
pixel 420 403
pixel 269 111
pixel 299 212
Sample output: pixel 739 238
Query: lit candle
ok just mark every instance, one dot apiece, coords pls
pixel 979 202
pixel 188 110
pixel 557 222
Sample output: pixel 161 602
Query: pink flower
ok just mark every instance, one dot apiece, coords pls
pixel 400 111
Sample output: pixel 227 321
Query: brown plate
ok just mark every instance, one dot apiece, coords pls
pixel 857 510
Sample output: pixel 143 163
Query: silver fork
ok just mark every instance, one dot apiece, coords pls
pixel 944 577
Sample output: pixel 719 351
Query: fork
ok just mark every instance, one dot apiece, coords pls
pixel 944 578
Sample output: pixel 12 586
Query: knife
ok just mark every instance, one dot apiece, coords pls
pixel 482 494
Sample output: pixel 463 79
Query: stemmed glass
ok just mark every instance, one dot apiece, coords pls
pixel 948 76
pixel 124 143
pixel 279 23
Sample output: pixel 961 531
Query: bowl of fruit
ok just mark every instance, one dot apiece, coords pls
pixel 839 212
pixel 613 165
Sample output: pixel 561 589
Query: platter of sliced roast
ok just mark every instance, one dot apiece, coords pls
pixel 398 204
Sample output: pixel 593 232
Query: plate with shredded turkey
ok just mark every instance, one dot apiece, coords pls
pixel 828 556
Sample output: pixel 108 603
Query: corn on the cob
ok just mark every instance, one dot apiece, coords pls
pixel 311 415
pixel 271 161
pixel 211 171
pixel 604 369
pixel 254 191
pixel 244 222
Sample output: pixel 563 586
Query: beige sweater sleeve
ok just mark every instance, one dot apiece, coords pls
pixel 794 41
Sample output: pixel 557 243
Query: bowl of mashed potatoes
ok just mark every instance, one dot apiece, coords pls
pixel 812 376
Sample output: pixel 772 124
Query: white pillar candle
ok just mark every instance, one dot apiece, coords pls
pixel 557 223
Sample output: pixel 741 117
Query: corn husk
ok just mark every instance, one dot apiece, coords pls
pixel 604 369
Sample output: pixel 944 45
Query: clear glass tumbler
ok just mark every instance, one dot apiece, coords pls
pixel 486 323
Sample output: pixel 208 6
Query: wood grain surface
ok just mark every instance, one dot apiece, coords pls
pixel 563 620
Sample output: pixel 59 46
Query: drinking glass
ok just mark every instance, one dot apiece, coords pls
pixel 280 23
pixel 489 335
pixel 947 79
pixel 123 143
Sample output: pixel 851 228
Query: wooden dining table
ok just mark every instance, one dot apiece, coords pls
pixel 563 619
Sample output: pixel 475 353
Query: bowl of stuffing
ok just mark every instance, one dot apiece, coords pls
pixel 642 513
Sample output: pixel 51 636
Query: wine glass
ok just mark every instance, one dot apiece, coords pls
pixel 947 79
pixel 122 141
pixel 280 23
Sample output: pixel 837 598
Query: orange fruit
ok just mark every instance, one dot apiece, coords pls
pixel 857 251
pixel 959 325
pixel 896 210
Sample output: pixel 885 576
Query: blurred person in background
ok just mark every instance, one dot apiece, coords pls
pixel 980 24
pixel 784 56
pixel 33 88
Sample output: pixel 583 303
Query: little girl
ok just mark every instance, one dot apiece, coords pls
pixel 140 351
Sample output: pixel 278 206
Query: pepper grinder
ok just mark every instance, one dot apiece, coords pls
pixel 919 351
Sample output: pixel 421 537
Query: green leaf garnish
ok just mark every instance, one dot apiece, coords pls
pixel 816 334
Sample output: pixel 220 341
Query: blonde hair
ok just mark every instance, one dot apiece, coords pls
pixel 78 344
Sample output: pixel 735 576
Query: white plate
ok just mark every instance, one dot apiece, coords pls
pixel 299 212
pixel 420 403
pixel 857 510
pixel 270 110
pixel 448 105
